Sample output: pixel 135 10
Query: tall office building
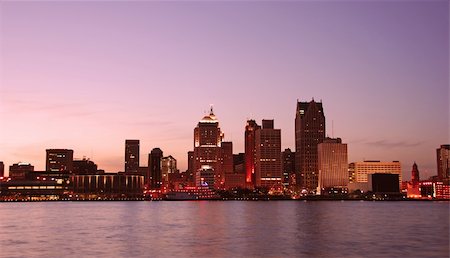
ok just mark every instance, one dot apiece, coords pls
pixel 59 160
pixel 132 156
pixel 226 158
pixel 250 155
pixel 309 132
pixel 2 169
pixel 333 164
pixel 207 148
pixel 268 155
pixel 443 165
pixel 415 179
pixel 288 167
pixel 154 168
pixel 168 169
pixel 360 171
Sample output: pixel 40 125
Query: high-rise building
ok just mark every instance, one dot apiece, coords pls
pixel 288 159
pixel 190 171
pixel 309 132
pixel 443 164
pixel 168 169
pixel 360 170
pixel 154 167
pixel 207 148
pixel 250 155
pixel 226 157
pixel 2 169
pixel 333 164
pixel 132 156
pixel 268 155
pixel 59 160
pixel 21 171
pixel 415 179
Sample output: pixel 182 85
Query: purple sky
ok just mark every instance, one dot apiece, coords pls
pixel 88 75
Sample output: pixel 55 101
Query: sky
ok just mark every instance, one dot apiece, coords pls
pixel 86 75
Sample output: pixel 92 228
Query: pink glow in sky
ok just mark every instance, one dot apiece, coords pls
pixel 88 75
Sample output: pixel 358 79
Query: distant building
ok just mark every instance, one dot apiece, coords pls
pixel 360 171
pixel 207 148
pixel 190 171
pixel 268 155
pixel 384 183
pixel 131 156
pixel 2 169
pixel 309 132
pixel 59 160
pixel 413 186
pixel 21 171
pixel 226 158
pixel 239 163
pixel 250 152
pixel 443 163
pixel 168 169
pixel 288 166
pixel 415 179
pixel 205 177
pixel 84 167
pixel 333 164
pixel 154 166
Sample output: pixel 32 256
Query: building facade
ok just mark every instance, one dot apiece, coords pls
pixel 309 132
pixel 132 156
pixel 333 164
pixel 59 160
pixel 443 163
pixel 268 155
pixel 359 171
pixel 288 167
pixel 154 168
pixel 250 155
pixel 207 149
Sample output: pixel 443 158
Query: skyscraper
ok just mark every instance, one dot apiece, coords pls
pixel 415 179
pixel 268 155
pixel 288 167
pixel 309 132
pixel 131 156
pixel 333 165
pixel 154 167
pixel 2 169
pixel 443 165
pixel 60 160
pixel 168 169
pixel 207 148
pixel 250 155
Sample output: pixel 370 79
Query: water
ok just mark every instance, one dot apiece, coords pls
pixel 225 229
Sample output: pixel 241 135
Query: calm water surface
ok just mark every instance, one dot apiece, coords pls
pixel 224 229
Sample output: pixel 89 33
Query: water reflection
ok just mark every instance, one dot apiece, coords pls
pixel 224 229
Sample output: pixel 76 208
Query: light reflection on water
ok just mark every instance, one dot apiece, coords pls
pixel 225 229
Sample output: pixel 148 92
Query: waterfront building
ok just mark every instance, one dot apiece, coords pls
pixel 154 168
pixel 443 163
pixel 59 160
pixel 250 152
pixel 84 167
pixel 2 169
pixel 226 158
pixel 131 156
pixel 207 149
pixel 268 155
pixel 415 179
pixel 288 166
pixel 333 165
pixel 309 132
pixel 190 171
pixel 359 171
pixel 168 170
pixel 21 171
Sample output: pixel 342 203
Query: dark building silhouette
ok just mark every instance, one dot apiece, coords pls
pixel 21 171
pixel 2 169
pixel 239 163
pixel 207 149
pixel 268 155
pixel 250 155
pixel 154 166
pixel 84 167
pixel 309 132
pixel 190 173
pixel 226 157
pixel 384 183
pixel 415 179
pixel 131 156
pixel 288 166
pixel 443 163
pixel 59 160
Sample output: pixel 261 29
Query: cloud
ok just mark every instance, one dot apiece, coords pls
pixel 393 144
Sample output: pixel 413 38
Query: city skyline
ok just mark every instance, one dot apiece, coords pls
pixel 381 70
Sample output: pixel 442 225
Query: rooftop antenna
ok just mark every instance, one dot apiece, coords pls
pixel 211 112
